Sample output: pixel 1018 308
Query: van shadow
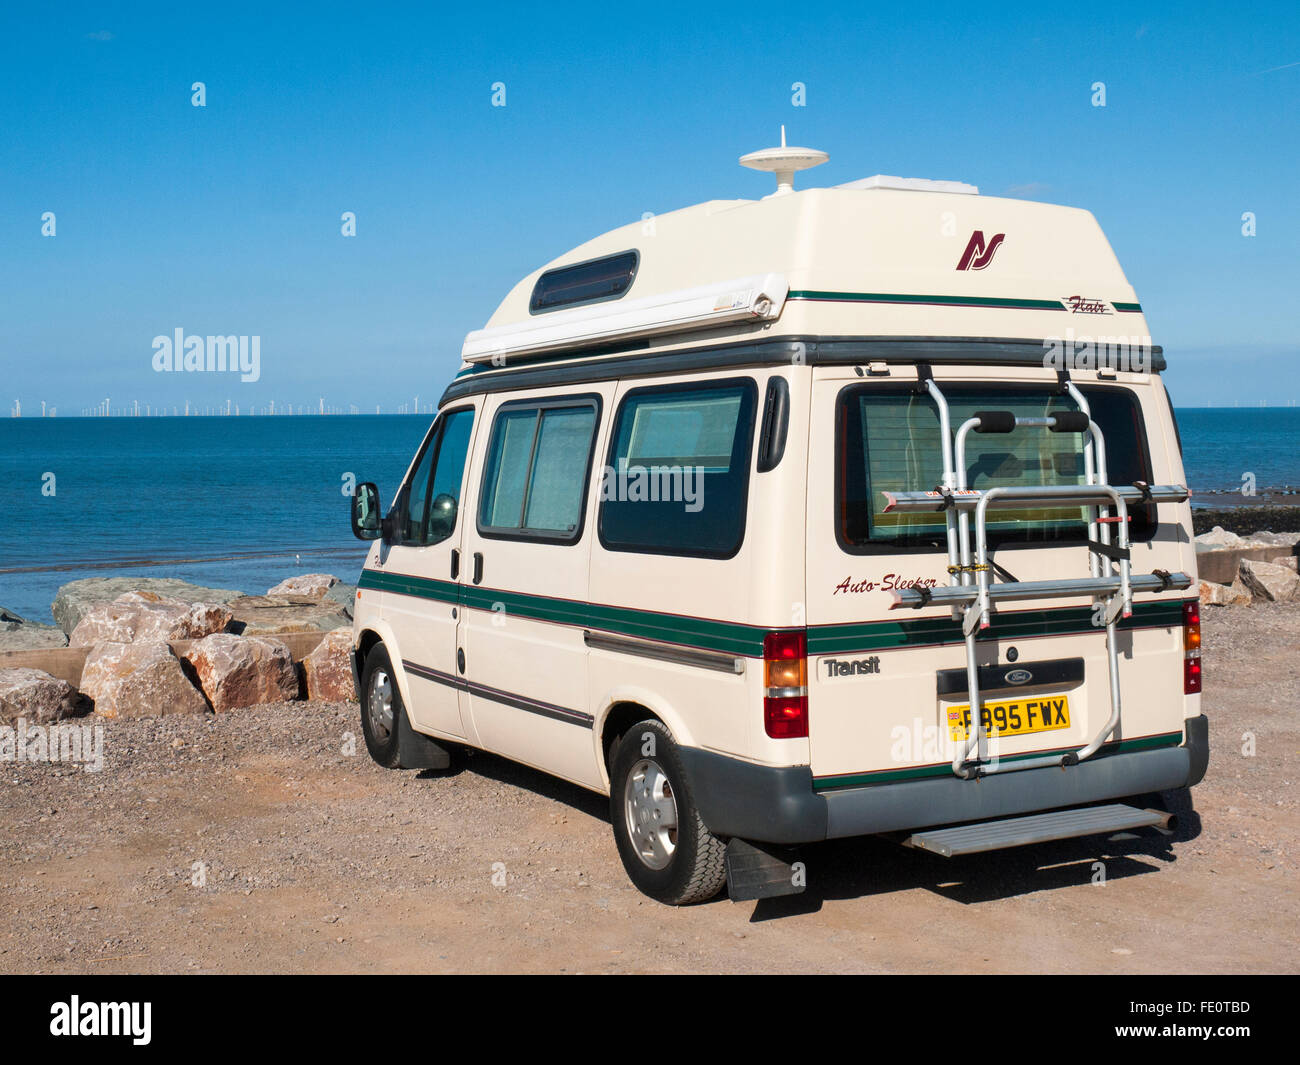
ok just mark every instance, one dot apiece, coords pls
pixel 845 869
pixel 504 771
pixel 860 868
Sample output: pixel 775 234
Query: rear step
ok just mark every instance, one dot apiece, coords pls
pixel 1038 828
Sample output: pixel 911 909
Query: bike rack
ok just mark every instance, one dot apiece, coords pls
pixel 970 592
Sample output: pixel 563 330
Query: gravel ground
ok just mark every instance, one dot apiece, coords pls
pixel 267 841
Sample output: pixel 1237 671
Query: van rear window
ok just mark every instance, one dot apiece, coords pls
pixel 888 441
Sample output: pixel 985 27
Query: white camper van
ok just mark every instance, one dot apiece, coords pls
pixel 843 511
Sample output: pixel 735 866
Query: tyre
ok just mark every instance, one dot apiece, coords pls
pixel 667 851
pixel 381 707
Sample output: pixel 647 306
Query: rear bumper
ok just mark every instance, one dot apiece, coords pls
pixel 778 805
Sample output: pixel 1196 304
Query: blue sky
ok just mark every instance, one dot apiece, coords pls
pixel 225 219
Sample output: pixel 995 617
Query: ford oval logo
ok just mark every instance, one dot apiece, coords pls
pixel 1018 676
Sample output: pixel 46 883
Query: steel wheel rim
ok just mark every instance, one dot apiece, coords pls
pixel 379 705
pixel 650 811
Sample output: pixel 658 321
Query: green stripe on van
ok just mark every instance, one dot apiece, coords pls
pixel 730 637
pixel 1007 625
pixel 1005 302
pixel 705 633
pixel 402 584
pixel 893 776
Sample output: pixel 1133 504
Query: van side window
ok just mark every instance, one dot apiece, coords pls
pixel 678 478
pixel 432 495
pixel 535 480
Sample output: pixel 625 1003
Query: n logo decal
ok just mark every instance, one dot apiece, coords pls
pixel 978 254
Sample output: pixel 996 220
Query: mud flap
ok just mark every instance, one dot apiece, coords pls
pixel 762 871
pixel 417 751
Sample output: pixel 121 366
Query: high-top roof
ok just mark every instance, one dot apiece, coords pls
pixel 881 257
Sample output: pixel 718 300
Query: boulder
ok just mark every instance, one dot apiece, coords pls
pixel 306 585
pixel 201 619
pixel 1222 563
pixel 19 634
pixel 1219 537
pixel 38 698
pixel 142 679
pixel 1283 539
pixel 105 623
pixel 146 615
pixel 327 671
pixel 76 597
pixel 236 671
pixel 1235 594
pixel 1276 584
pixel 345 595
pixel 266 615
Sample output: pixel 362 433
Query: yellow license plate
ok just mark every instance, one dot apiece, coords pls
pixel 1016 717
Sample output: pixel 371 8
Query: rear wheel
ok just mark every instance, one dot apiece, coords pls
pixel 666 849
pixel 381 707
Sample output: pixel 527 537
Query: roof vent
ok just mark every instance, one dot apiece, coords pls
pixel 911 184
pixel 783 162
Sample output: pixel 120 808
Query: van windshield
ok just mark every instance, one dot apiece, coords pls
pixel 888 441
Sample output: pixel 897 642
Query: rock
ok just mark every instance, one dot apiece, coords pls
pixel 1222 563
pixel 1283 539
pixel 202 619
pixel 236 671
pixel 76 597
pixel 1276 584
pixel 263 615
pixel 327 671
pixel 1290 562
pixel 345 595
pixel 19 634
pixel 38 698
pixel 148 616
pixel 1219 537
pixel 1235 594
pixel 142 679
pixel 307 585
pixel 105 623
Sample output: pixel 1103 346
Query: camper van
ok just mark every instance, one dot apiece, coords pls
pixel 839 512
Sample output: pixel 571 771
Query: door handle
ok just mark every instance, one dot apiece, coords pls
pixel 455 563
pixel 478 566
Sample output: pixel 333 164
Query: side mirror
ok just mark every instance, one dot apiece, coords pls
pixel 442 517
pixel 367 522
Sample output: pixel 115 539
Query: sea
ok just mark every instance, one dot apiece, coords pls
pixel 243 502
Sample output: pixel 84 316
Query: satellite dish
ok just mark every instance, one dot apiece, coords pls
pixel 783 162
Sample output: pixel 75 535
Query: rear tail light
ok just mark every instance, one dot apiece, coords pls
pixel 1191 648
pixel 785 684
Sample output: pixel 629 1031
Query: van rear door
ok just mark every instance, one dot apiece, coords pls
pixel 887 688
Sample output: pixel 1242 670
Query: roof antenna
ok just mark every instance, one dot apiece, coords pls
pixel 783 162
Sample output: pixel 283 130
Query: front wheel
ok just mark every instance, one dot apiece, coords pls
pixel 381 707
pixel 666 849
